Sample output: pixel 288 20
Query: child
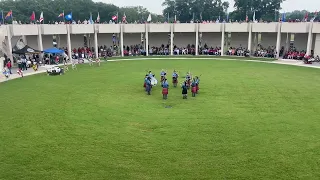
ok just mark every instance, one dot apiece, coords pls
pixel 6 72
pixel 20 72
pixel 74 64
pixel 98 61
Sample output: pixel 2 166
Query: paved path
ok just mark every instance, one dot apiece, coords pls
pixel 43 69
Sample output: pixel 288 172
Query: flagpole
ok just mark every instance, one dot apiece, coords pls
pixel 64 19
pixel 2 17
pixel 118 17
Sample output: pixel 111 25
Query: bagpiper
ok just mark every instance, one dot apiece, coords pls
pixel 197 84
pixel 148 86
pixel 184 90
pixel 165 89
pixel 163 75
pixel 175 78
pixel 188 79
pixel 194 88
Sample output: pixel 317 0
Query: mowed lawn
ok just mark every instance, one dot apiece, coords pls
pixel 249 121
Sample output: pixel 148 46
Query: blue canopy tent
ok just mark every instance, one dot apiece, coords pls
pixel 54 51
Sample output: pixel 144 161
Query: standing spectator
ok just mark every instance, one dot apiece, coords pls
pixel 9 66
pixel 24 63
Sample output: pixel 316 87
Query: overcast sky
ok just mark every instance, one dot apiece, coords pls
pixel 155 5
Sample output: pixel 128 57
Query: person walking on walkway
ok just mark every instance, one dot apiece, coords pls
pixel 9 66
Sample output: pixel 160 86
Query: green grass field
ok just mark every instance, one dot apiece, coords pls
pixel 249 121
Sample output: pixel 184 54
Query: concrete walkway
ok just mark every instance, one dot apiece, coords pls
pixel 43 69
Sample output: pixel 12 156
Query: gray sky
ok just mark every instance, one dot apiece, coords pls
pixel 155 5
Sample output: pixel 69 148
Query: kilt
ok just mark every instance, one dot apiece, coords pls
pixel 165 91
pixel 184 91
pixel 194 89
pixel 197 87
pixel 144 85
pixel 174 80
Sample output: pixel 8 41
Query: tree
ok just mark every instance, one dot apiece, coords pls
pixel 186 10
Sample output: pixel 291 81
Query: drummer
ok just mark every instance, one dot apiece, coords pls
pixel 148 86
pixel 175 78
pixel 165 87
pixel 163 75
pixel 188 80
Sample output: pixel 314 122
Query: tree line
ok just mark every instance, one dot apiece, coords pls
pixel 182 10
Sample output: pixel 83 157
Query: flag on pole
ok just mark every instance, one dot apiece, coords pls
pixel 315 15
pixel 98 17
pixel 61 15
pixel 283 18
pixel 2 19
pixel 175 18
pixel 33 16
pixel 114 18
pixel 90 20
pixel 9 15
pixel 124 17
pixel 247 18
pixel 68 17
pixel 254 16
pixel 149 18
pixel 168 18
pixel 227 17
pixel 306 17
pixel 41 17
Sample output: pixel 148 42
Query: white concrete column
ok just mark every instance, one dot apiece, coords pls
pixel 222 38
pixel 309 45
pixel 40 45
pixel 197 39
pixel 24 38
pixel 278 40
pixel 317 45
pixel 69 41
pixel 121 39
pixel 96 42
pixel 250 37
pixel 9 55
pixel 147 39
pixel 171 39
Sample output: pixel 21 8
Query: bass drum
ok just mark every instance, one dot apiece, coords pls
pixel 154 81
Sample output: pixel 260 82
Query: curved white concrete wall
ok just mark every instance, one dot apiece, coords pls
pixel 268 39
pixel 157 39
pixel 211 39
pixel 183 39
pixel 239 39
pixel 131 39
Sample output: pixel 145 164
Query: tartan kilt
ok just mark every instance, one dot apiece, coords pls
pixel 197 87
pixel 144 85
pixel 165 91
pixel 194 89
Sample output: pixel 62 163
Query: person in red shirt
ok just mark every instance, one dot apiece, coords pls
pixel 9 66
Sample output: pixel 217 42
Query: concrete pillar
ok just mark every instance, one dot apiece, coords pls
pixel 309 45
pixel 147 39
pixel 121 39
pixel 250 37
pixel 171 39
pixel 24 38
pixel 197 38
pixel 69 41
pixel 40 45
pixel 317 45
pixel 222 38
pixel 9 55
pixel 278 40
pixel 96 42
